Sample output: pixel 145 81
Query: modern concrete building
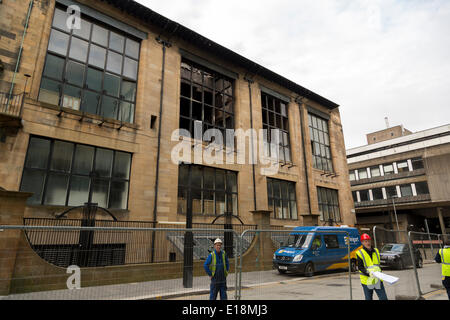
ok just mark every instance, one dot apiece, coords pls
pixel 103 99
pixel 405 179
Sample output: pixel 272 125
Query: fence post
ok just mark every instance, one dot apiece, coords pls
pixel 413 257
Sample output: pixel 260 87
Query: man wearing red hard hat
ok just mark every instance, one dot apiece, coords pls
pixel 368 260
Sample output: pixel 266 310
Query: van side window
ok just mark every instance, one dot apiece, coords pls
pixel 331 241
pixel 317 243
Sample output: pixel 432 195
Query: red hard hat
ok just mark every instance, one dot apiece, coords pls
pixel 365 236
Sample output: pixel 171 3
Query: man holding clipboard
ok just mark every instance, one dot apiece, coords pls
pixel 368 260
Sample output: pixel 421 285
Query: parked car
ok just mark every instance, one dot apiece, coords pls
pixel 398 255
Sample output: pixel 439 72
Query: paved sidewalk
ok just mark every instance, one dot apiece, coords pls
pixel 160 289
pixel 173 288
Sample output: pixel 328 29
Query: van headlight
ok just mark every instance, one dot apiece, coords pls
pixel 298 258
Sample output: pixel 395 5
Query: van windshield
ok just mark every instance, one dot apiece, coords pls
pixel 299 240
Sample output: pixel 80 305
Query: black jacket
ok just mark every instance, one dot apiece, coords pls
pixel 360 262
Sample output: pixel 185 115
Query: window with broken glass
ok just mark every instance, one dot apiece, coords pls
pixel 93 69
pixel 320 143
pixel 206 100
pixel 275 117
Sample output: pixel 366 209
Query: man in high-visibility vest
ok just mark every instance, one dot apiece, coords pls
pixel 443 256
pixel 368 260
pixel 217 266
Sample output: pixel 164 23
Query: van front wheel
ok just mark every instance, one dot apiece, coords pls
pixel 309 269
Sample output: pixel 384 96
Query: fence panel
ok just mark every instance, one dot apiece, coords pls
pixel 43 262
pixel 267 276
pixel 428 244
pixel 399 259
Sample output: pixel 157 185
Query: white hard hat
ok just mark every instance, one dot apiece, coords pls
pixel 217 241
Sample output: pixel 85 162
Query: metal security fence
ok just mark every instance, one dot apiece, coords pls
pixel 43 274
pixel 94 248
pixel 410 257
pixel 117 264
pixel 267 264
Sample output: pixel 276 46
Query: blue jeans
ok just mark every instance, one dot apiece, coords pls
pixel 216 287
pixel 368 293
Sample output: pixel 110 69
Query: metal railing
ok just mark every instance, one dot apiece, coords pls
pixel 11 105
pixel 287 232
pixel 407 264
pixel 93 248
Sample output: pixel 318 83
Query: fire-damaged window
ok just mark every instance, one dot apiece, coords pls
pixel 275 117
pixel 206 99
pixel 92 69
pixel 62 173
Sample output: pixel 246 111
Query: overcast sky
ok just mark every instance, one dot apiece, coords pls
pixel 375 59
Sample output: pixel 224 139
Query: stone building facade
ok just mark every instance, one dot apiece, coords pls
pixel 103 99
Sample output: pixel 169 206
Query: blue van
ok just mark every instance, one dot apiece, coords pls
pixel 310 251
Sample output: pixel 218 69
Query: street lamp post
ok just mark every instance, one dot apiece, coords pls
pixel 395 211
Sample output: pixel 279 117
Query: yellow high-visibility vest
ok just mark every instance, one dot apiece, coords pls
pixel 445 259
pixel 370 263
pixel 212 266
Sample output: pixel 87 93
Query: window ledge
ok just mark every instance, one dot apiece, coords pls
pixel 82 114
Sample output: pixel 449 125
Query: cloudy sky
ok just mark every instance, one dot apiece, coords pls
pixel 374 58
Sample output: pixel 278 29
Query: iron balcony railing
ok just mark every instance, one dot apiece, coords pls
pixel 122 247
pixel 11 104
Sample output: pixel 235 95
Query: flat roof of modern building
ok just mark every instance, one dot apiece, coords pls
pixel 418 140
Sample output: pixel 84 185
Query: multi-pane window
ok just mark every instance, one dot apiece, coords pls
pixel 388 169
pixel 206 99
pixel 68 174
pixel 406 190
pixel 354 196
pixel 282 199
pixel 402 166
pixel 391 192
pixel 417 163
pixel 213 191
pixel 320 143
pixel 362 173
pixel 422 188
pixel 93 69
pixel 364 195
pixel 377 194
pixel 275 117
pixel 328 204
pixel 375 171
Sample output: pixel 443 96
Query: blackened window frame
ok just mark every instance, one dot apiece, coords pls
pixel 71 174
pixel 321 142
pixel 272 109
pixel 292 203
pixel 83 89
pixel 226 92
pixel 228 194
pixel 325 203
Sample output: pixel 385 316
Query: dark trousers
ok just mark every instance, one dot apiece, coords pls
pixel 216 287
pixel 381 293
